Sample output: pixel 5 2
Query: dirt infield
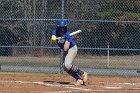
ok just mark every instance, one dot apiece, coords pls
pixel 11 82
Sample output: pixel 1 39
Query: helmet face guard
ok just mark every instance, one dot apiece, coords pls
pixel 61 30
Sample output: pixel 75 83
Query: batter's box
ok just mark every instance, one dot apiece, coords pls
pixel 64 83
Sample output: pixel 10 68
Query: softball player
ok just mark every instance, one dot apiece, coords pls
pixel 70 50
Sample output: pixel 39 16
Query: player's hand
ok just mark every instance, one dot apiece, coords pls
pixel 61 40
pixel 67 36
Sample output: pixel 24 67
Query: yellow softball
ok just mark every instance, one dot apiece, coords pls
pixel 53 38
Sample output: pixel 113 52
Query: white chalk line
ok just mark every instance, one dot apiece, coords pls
pixel 119 86
pixel 74 88
pixel 60 92
pixel 53 85
pixel 70 91
pixel 66 86
pixel 110 87
pixel 117 83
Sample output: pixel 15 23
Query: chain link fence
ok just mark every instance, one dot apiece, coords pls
pixel 110 35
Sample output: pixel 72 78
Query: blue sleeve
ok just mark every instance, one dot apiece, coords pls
pixel 71 40
pixel 68 33
pixel 54 32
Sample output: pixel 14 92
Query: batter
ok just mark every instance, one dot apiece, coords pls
pixel 69 47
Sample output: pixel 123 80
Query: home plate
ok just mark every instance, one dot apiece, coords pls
pixel 111 87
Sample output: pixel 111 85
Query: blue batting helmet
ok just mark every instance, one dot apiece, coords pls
pixel 62 23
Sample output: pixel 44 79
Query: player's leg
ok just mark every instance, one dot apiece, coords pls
pixel 75 76
pixel 76 73
pixel 71 69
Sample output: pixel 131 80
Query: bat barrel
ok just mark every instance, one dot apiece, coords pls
pixel 76 32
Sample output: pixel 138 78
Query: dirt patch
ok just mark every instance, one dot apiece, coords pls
pixel 62 83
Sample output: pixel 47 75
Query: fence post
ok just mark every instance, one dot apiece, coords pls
pixel 108 60
pixel 62 53
pixel 61 61
pixel 62 9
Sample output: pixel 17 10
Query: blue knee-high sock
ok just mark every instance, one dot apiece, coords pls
pixel 80 72
pixel 75 72
pixel 72 73
pixel 75 69
pixel 76 76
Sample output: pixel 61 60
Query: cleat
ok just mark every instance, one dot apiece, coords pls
pixel 79 82
pixel 85 77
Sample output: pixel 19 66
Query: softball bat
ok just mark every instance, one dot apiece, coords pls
pixel 71 34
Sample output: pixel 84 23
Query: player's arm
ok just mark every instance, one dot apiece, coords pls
pixel 66 45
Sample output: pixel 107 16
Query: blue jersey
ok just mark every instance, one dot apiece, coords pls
pixel 61 42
